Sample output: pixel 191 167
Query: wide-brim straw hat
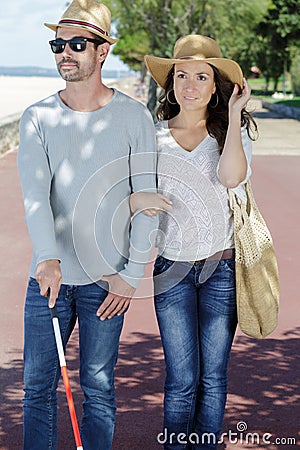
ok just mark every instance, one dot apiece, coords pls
pixel 194 47
pixel 86 15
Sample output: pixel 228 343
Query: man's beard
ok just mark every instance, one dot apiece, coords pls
pixel 75 73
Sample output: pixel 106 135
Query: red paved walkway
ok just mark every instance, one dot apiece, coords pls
pixel 264 375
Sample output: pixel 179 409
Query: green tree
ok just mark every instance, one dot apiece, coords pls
pixel 131 50
pixel 277 32
pixel 235 28
pixel 161 22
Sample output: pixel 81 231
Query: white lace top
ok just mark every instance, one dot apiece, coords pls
pixel 200 223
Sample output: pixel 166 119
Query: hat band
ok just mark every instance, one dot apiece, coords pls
pixel 80 22
pixel 192 57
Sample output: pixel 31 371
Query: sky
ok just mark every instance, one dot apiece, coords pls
pixel 24 38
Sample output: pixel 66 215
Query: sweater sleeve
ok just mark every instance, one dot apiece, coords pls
pixel 35 176
pixel 143 159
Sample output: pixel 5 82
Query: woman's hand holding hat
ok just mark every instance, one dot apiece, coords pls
pixel 239 99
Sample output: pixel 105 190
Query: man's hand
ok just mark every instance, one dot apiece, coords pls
pixel 118 298
pixel 48 275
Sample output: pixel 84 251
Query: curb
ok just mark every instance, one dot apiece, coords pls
pixel 9 133
pixel 288 111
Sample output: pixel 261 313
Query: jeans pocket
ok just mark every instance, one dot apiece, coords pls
pixel 33 284
pixel 229 265
pixel 161 265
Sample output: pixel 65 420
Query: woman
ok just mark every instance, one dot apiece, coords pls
pixel 204 148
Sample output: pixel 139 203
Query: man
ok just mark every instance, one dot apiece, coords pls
pixel 82 152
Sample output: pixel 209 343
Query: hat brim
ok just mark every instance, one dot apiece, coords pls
pixel 54 27
pixel 160 67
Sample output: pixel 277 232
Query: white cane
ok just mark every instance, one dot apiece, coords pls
pixel 65 376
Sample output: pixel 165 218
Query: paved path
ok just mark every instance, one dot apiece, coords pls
pixel 264 375
pixel 278 135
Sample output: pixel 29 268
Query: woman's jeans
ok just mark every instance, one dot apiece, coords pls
pixel 197 321
pixel 98 343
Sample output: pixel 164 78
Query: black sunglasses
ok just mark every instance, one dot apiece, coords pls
pixel 77 44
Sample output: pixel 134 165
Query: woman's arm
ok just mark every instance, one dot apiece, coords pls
pixel 149 203
pixel 233 162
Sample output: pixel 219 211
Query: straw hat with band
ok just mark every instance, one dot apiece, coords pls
pixel 194 47
pixel 86 15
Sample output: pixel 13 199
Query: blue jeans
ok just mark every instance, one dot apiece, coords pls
pixel 98 343
pixel 197 322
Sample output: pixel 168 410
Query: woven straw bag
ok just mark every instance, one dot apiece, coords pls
pixel 257 281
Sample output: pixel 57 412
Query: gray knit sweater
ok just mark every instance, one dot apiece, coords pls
pixel 77 171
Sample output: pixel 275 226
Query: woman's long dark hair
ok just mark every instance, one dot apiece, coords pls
pixel 217 120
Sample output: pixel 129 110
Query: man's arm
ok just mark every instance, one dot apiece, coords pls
pixel 143 161
pixel 35 176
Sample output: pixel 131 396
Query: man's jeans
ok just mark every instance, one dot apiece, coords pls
pixel 98 342
pixel 197 321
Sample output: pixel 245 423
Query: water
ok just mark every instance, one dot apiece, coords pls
pixel 32 71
